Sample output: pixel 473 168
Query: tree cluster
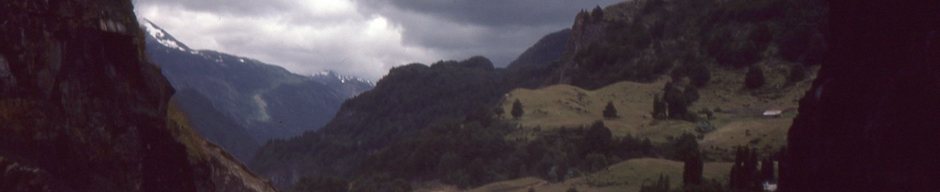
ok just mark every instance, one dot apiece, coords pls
pixel 797 73
pixel 754 78
pixel 610 111
pixel 686 150
pixel 698 73
pixel 469 154
pixel 661 185
pixel 675 102
pixel 749 173
pixel 517 110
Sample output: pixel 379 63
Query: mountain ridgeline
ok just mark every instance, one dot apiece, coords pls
pixel 81 108
pixel 240 103
pixel 402 104
pixel 443 122
pixel 641 40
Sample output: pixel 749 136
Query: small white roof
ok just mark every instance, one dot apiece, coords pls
pixel 773 112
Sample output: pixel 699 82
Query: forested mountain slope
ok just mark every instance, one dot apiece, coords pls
pixel 453 123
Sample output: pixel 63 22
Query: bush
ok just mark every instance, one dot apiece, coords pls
pixel 754 78
pixel 659 108
pixel 797 73
pixel 677 102
pixel 609 111
pixel 597 139
pixel 699 74
pixel 517 109
pixel 661 185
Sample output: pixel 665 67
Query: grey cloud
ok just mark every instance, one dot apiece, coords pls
pixel 300 37
pixel 500 30
pixel 224 7
pixel 496 12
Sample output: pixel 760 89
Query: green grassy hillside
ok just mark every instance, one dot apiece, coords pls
pixel 737 112
pixel 625 176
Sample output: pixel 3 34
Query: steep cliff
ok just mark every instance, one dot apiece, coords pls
pixel 81 109
pixel 643 39
pixel 870 121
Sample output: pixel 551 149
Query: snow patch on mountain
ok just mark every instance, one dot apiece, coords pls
pixel 342 78
pixel 163 37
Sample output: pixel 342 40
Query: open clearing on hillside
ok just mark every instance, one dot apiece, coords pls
pixel 737 112
pixel 625 176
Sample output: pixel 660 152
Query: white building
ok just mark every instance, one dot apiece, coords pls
pixel 772 113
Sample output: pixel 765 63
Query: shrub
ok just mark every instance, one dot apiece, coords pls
pixel 797 73
pixel 754 77
pixel 517 109
pixel 609 111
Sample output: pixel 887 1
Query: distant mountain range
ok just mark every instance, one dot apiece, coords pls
pixel 240 103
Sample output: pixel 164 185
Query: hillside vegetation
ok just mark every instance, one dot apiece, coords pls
pixel 624 176
pixel 712 68
pixel 737 113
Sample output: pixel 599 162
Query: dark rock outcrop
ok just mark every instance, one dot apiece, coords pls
pixel 870 122
pixel 643 39
pixel 81 109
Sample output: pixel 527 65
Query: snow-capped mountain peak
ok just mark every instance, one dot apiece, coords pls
pixel 342 78
pixel 163 37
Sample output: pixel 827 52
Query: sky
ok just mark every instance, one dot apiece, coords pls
pixel 364 38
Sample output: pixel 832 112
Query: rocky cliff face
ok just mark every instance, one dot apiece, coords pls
pixel 81 109
pixel 870 122
pixel 643 39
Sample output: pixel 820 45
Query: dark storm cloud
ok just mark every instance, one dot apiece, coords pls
pixel 363 37
pixel 498 13
pixel 500 30
pixel 224 7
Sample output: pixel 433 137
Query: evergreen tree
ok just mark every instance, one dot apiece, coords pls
pixel 595 162
pixel 685 147
pixel 767 170
pixel 517 109
pixel 597 139
pixel 647 146
pixel 609 111
pixel 754 77
pixel 797 73
pixel 692 169
pixel 676 102
pixel 597 14
pixel 661 185
pixel 698 74
pixel 691 94
pixel 659 108
pixel 744 176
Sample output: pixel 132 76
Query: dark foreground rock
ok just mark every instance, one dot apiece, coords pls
pixel 871 122
pixel 81 109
